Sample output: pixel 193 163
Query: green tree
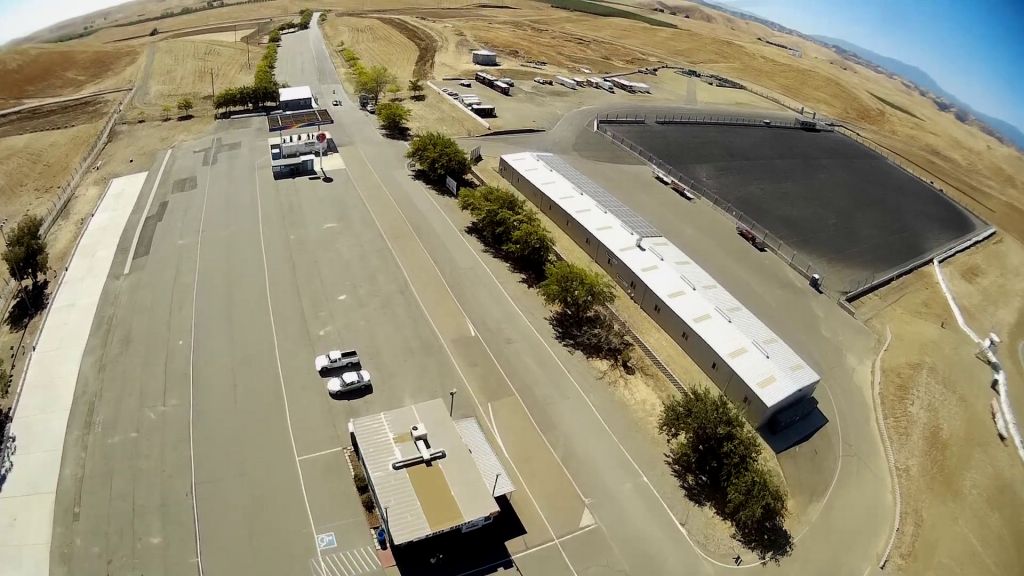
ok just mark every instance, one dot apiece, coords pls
pixel 374 80
pixel 576 290
pixel 437 155
pixel 393 117
pixel 275 36
pixel 714 455
pixel 504 222
pixel 166 110
pixel 185 105
pixel 26 254
pixel 416 88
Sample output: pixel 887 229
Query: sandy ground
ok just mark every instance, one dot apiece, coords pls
pixel 63 70
pixel 962 495
pixel 183 67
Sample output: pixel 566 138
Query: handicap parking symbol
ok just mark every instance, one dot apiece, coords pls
pixel 326 540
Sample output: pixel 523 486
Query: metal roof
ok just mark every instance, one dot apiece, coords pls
pixel 426 498
pixel 495 478
pixel 300 119
pixel 609 203
pixel 294 93
pixel 770 368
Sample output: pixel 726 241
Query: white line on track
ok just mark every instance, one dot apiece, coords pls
pixel 277 358
pixel 320 453
pixel 145 211
pixel 191 357
pixel 444 344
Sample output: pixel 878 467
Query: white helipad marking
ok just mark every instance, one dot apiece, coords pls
pixel 343 296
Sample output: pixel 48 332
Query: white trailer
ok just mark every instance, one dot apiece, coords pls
pixel 567 82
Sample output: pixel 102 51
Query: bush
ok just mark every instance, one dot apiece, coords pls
pixel 437 156
pixel 714 456
pixel 26 254
pixel 185 105
pixel 366 499
pixel 275 36
pixel 392 117
pixel 305 16
pixel 359 479
pixel 576 290
pixel 504 223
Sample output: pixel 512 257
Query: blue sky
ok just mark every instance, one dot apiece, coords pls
pixel 21 17
pixel 972 48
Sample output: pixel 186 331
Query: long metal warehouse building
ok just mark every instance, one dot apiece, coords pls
pixel 749 362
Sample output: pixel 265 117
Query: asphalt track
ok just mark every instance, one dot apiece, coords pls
pixel 198 412
pixel 847 209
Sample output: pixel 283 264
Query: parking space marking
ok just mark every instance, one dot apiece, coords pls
pixel 320 453
pixel 347 562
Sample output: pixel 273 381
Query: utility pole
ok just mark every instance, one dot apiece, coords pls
pixel 451 408
pixel 213 93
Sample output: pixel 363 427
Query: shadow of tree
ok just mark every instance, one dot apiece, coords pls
pixel 594 335
pixel 30 301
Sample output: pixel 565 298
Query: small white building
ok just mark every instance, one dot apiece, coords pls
pixel 295 98
pixel 485 58
pixel 429 474
pixel 755 369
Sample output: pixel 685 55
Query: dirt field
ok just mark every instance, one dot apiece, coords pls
pixel 63 70
pixel 961 485
pixel 183 67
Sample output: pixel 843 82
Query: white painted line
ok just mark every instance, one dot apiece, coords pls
pixel 472 332
pixel 145 211
pixel 343 557
pixel 553 542
pixel 460 106
pixel 359 558
pixel 369 561
pixel 313 568
pixel 191 362
pixel 333 560
pixel 321 453
pixel 277 358
pixel 355 566
pixel 373 556
pixel 426 313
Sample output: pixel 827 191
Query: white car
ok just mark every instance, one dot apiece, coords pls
pixel 349 381
pixel 335 359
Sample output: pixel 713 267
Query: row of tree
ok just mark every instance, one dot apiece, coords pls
pixel 506 225
pixel 715 457
pixel 263 90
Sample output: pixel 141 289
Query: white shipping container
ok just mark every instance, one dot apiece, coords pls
pixel 567 82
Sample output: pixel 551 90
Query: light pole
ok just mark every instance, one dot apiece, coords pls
pixel 451 407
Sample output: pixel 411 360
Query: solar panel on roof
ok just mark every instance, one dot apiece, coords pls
pixel 293 120
pixel 610 203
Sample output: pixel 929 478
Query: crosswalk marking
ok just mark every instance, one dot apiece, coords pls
pixel 346 562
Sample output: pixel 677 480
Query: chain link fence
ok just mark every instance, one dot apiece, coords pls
pixel 67 190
